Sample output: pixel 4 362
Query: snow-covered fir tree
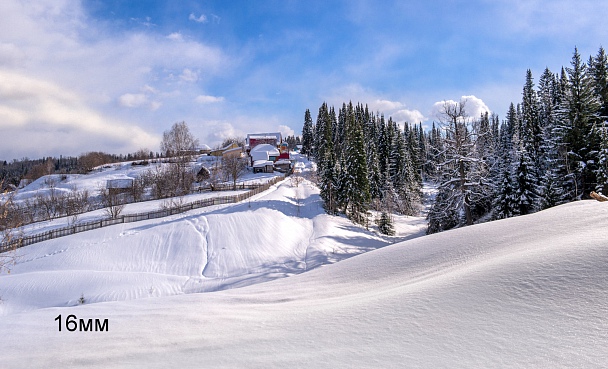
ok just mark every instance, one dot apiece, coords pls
pixel 307 135
pixel 578 119
pixel 356 197
pixel 371 162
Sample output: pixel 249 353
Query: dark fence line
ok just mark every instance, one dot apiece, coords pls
pixel 129 218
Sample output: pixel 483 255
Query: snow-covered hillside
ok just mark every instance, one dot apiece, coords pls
pixel 523 292
pixel 278 233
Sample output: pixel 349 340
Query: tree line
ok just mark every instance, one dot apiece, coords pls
pixel 12 172
pixel 551 148
pixel 364 162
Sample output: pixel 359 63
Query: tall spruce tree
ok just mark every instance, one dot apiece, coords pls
pixel 598 69
pixel 355 184
pixel 530 139
pixel 307 135
pixel 579 113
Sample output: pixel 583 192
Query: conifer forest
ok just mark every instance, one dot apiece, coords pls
pixel 550 148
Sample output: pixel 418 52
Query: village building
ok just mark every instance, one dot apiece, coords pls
pixel 264 152
pixel 263 166
pixel 254 139
pixel 282 165
pixel 204 149
pixel 220 151
pixel 266 148
pixel 236 152
pixel 284 151
pixel 118 186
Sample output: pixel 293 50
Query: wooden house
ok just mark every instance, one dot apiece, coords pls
pixel 118 186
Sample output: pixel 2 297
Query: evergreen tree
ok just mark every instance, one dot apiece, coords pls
pixel 599 74
pixel 525 187
pixel 385 224
pixel 602 168
pixel 504 202
pixel 355 180
pixel 578 119
pixel 504 191
pixel 307 135
pixel 551 192
pixel 530 138
pixel 442 215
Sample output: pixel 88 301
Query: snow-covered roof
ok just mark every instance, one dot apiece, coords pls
pixel 271 150
pixel 266 135
pixel 262 163
pixel 233 149
pixel 228 147
pixel 283 161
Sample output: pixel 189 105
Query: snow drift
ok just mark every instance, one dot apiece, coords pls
pixel 522 292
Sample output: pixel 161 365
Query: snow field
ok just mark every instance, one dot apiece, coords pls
pixel 523 292
pixel 278 233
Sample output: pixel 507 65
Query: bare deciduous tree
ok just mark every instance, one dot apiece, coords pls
pixel 233 168
pixel 179 142
pixel 76 202
pixel 171 180
pixel 113 202
pixel 462 170
pixel 240 141
pixel 142 154
pixel 10 237
pixel 139 187
pixel 90 160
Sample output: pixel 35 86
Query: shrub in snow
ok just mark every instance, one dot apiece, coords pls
pixel 385 224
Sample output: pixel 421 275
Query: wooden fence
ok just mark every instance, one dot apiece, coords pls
pixel 129 218
pixel 198 189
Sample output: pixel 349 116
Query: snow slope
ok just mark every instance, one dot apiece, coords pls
pixel 526 292
pixel 278 233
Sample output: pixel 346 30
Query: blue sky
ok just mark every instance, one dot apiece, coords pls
pixel 113 75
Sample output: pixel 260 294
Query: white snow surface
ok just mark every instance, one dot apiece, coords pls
pixel 526 292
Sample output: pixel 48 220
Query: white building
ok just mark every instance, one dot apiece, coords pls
pixel 264 152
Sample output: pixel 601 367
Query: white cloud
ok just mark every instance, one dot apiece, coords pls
pixel 201 19
pixel 133 100
pixel 11 55
pixel 56 44
pixel 43 118
pixel 188 76
pixel 385 105
pixel 207 99
pixel 219 131
pixel 286 131
pixel 155 105
pixel 474 107
pixel 410 116
pixel 552 18
pixel 389 108
pixel 176 36
pixel 149 89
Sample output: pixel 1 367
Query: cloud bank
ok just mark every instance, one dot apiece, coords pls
pixel 474 107
pixel 71 84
